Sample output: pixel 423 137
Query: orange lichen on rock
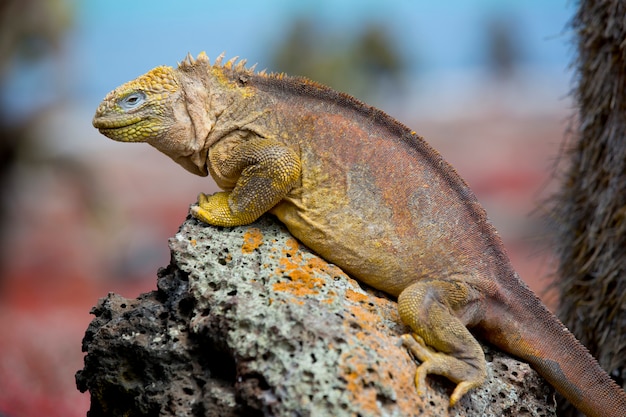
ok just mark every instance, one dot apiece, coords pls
pixel 252 239
pixel 301 284
pixel 292 247
pixel 303 275
pixel 303 272
pixel 367 315
pixel 321 265
pixel 396 373
pixel 356 296
pixel 355 369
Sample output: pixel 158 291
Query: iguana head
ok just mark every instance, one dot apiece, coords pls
pixel 139 110
pixel 167 108
pixel 173 109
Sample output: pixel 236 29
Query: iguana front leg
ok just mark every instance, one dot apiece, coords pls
pixel 262 170
pixel 438 312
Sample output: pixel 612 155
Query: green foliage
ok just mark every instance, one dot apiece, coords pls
pixel 366 65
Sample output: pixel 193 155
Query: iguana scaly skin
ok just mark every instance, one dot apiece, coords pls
pixel 368 195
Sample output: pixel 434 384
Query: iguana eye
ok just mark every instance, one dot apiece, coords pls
pixel 132 101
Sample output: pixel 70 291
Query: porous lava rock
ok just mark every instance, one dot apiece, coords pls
pixel 246 321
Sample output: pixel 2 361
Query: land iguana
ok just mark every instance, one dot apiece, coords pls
pixel 367 194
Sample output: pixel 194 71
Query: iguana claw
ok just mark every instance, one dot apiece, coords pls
pixel 435 363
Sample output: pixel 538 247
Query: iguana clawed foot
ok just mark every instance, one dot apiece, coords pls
pixel 441 364
pixel 215 210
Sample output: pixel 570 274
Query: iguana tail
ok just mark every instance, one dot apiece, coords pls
pixel 528 330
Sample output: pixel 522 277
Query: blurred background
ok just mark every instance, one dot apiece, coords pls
pixel 485 81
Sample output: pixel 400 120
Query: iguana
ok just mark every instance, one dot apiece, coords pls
pixel 367 194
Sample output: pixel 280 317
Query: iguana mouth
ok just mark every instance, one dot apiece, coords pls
pixel 109 124
pixel 122 129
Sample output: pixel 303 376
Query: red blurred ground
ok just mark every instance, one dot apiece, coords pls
pixel 80 231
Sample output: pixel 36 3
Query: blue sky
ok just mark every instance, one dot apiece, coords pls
pixel 118 39
pixel 113 41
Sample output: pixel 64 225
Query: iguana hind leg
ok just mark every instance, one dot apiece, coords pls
pixel 437 312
